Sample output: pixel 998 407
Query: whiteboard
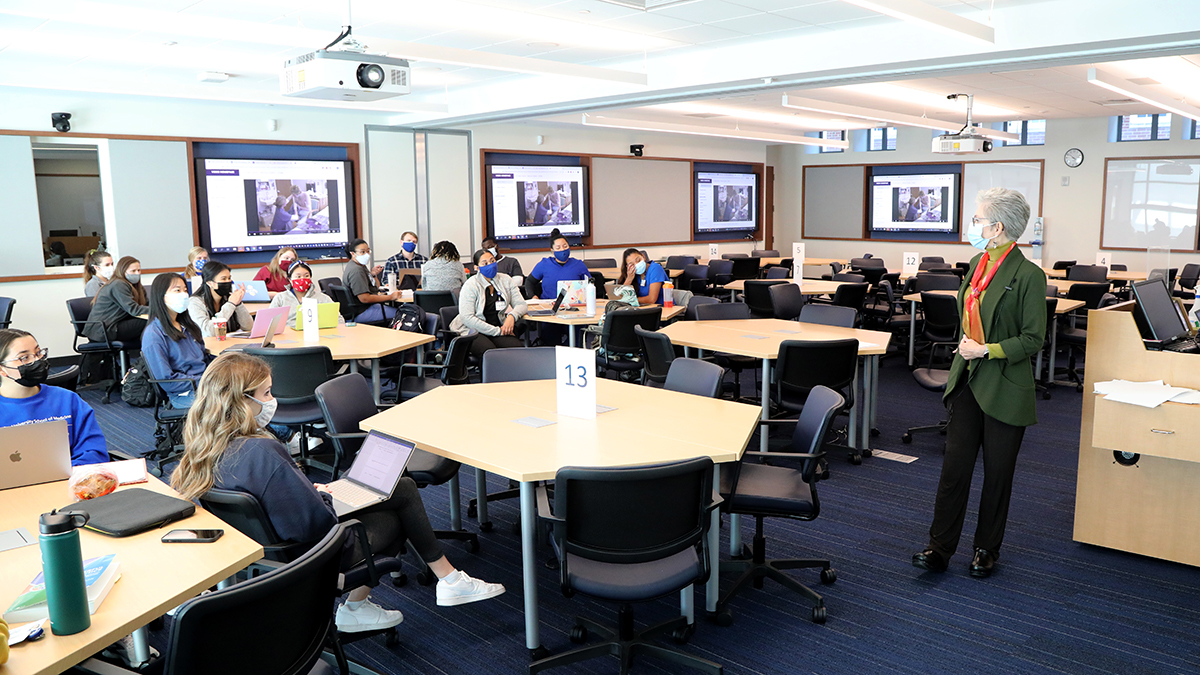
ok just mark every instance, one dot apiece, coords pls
pixel 1151 203
pixel 1024 177
pixel 640 201
pixel 833 201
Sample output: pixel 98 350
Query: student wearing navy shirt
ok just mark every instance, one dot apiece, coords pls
pixel 647 277
pixel 558 267
pixel 25 399
pixel 172 343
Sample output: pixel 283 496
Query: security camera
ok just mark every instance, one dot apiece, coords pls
pixel 636 150
pixel 61 122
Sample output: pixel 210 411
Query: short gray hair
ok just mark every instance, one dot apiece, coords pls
pixel 1005 206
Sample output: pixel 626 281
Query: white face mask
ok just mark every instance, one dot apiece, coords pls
pixel 104 271
pixel 263 418
pixel 492 250
pixel 176 301
pixel 363 259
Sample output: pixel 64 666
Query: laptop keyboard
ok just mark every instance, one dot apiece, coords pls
pixel 349 493
pixel 1185 345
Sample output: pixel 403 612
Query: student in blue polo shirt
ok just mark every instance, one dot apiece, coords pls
pixel 558 267
pixel 646 276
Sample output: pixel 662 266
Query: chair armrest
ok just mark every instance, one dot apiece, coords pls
pixel 360 530
pixel 715 502
pixel 354 434
pixel 191 381
pixel 543 505
pixel 420 366
pixel 793 456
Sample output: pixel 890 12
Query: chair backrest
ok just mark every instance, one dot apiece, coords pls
pixel 531 287
pixel 1089 293
pixel 79 309
pixel 941 316
pixel 678 262
pixel 690 272
pixel 1051 291
pixel 933 266
pixel 325 283
pixel 695 302
pixel 447 315
pixel 764 253
pixel 598 280
pixel 245 514
pixel 1093 273
pixel 722 311
pixel 518 364
pixel 811 429
pixel 693 376
pixel 871 275
pixel 1118 267
pixel 719 268
pixel 657 354
pixel 828 315
pixel 858 263
pixel 733 256
pixel 6 310
pixel 599 263
pixel 937 282
pixel 933 259
pixel 779 272
pixel 290 609
pixel 786 301
pixel 757 294
pixel 849 277
pixel 1063 264
pixel 67 378
pixel 1189 276
pixel 457 352
pixel 633 514
pixel 348 305
pixel 804 364
pixel 745 268
pixel 296 372
pixel 345 401
pixel 851 295
pixel 432 301
pixel 617 336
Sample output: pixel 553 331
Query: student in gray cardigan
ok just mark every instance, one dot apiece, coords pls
pixel 217 296
pixel 443 272
pixel 119 309
pixel 490 304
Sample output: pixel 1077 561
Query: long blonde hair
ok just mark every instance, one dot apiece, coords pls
pixel 218 417
pixel 190 270
pixel 274 267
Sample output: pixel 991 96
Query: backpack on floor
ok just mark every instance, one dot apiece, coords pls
pixel 136 388
pixel 409 317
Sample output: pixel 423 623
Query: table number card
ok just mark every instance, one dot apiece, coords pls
pixel 714 252
pixel 912 262
pixel 308 320
pixel 1103 258
pixel 576 382
pixel 798 262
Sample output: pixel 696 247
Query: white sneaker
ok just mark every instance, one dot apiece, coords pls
pixel 368 616
pixel 459 589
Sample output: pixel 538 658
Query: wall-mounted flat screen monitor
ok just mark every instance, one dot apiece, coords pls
pixel 267 204
pixel 726 202
pixel 528 202
pixel 914 202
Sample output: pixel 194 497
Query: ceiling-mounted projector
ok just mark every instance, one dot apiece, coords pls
pixel 966 141
pixel 345 76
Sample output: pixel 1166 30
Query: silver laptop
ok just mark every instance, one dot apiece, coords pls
pixel 34 453
pixel 374 474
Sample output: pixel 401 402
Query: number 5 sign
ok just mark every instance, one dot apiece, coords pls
pixel 576 376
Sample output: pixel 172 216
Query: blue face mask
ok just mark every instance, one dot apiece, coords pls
pixel 640 267
pixel 409 246
pixel 488 271
pixel 975 236
pixel 199 264
pixel 562 256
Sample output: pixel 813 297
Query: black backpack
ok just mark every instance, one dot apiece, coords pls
pixel 409 317
pixel 136 388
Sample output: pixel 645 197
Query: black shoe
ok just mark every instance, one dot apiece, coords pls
pixel 931 560
pixel 983 563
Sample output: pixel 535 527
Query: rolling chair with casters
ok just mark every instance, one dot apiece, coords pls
pixel 168 422
pixel 731 311
pixel 720 272
pixel 757 296
pixel 326 283
pixel 6 310
pixel 598 280
pixel 940 330
pixel 618 341
pixel 804 365
pixel 79 309
pixel 452 370
pixel 764 490
pixel 1094 296
pixel 679 262
pixel 778 272
pixel 936 282
pixel 849 277
pixel 828 315
pixel 657 355
pixel 834 268
pixel 629 535
pixel 350 307
pixel 1063 264
pixel 346 401
pixel 930 266
pixel 786 301
pixel 733 256
pixel 295 375
pixel 433 301
pixel 1188 278
pixel 852 295
pixel 694 279
pixel 933 259
pixel 694 376
pixel 696 300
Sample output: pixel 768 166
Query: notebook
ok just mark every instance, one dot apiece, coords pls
pixel 374 474
pixel 34 453
pixel 327 315
pixel 262 320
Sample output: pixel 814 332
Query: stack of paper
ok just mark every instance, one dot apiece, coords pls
pixel 1146 394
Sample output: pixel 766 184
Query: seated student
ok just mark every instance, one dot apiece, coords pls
pixel 58 254
pixel 407 258
pixel 302 286
pixel 216 296
pixel 558 267
pixel 24 398
pixel 490 304
pixel 119 309
pixel 97 270
pixel 645 276
pixel 275 272
pixel 444 271
pixel 506 264
pixel 172 344
pixel 197 259
pixel 362 281
pixel 225 447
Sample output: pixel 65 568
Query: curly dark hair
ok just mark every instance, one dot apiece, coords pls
pixel 445 249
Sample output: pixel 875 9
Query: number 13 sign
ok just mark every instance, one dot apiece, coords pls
pixel 576 376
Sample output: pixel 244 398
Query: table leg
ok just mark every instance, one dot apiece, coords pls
pixel 354 365
pixel 141 646
pixel 912 330
pixel 375 385
pixel 687 603
pixel 455 506
pixel 570 336
pixel 874 391
pixel 712 591
pixel 766 404
pixel 854 413
pixel 529 563
pixel 481 514
pixel 1053 351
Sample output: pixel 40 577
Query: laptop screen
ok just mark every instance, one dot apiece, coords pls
pixel 380 462
pixel 1158 311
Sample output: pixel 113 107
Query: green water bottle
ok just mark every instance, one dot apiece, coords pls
pixel 62 569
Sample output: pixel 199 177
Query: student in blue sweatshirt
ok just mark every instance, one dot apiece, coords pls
pixel 25 399
pixel 172 343
pixel 225 447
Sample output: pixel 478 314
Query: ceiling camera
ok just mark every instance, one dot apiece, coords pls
pixel 636 149
pixel 61 121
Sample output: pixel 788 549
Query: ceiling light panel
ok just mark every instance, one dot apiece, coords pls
pixel 1176 76
pixel 807 122
pixel 917 12
pixel 717 132
pixel 1144 94
pixel 899 94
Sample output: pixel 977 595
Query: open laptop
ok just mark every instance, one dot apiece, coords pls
pixel 374 474
pixel 273 329
pixel 327 315
pixel 262 319
pixel 256 291
pixel 1160 320
pixel 553 310
pixel 34 453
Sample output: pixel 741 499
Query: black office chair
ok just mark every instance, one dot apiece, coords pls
pixel 629 535
pixel 1089 273
pixel 694 279
pixel 618 343
pixel 599 263
pixel 694 376
pixel 1063 264
pixel 787 301
pixel 940 329
pixel 690 313
pixel 880 309
pixel 849 277
pixel 871 274
pixel 1188 278
pixel 757 295
pixel 744 268
pixel 933 259
pixel 828 315
pixel 806 364
pixel 433 301
pixel 679 262
pixel 779 272
pixel 657 355
pixel 531 288
pixel 599 280
pixel 936 282
pixel 345 402
pixel 1166 274
pixel 928 266
pixel 733 256
pixel 730 311
pixel 66 377
pixel 168 421
pixel 720 273
pixel 6 310
pixel 296 373
pixel 853 296
pixel 350 307
pixel 764 253
pixel 765 490
pixel 452 370
pixel 326 284
pixel 79 309
pixel 1074 335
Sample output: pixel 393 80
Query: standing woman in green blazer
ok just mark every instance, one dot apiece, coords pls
pixel 990 395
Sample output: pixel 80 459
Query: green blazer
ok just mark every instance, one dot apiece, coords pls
pixel 1013 310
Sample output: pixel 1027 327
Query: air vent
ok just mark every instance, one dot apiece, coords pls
pixel 399 77
pixel 1118 101
pixel 704 116
pixel 1144 81
pixel 304 58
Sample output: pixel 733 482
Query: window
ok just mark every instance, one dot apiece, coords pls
pixel 881 138
pixel 69 201
pixel 1152 127
pixel 1032 132
pixel 832 136
pixel 1195 130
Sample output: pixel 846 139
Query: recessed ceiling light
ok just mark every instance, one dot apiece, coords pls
pixel 585 11
pixel 170 43
pixel 542 45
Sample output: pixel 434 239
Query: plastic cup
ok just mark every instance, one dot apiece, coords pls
pixel 221 326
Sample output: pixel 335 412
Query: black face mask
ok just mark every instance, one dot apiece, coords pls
pixel 33 374
pixel 225 288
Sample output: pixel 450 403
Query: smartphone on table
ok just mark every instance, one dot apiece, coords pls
pixel 192 536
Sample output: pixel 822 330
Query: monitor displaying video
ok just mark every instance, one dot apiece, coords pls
pixel 923 202
pixel 528 202
pixel 264 205
pixel 726 202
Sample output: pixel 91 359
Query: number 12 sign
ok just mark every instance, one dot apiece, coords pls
pixel 576 382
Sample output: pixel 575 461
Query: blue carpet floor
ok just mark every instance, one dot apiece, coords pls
pixel 1053 606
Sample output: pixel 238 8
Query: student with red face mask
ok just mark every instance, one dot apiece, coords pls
pixel 301 286
pixel 275 273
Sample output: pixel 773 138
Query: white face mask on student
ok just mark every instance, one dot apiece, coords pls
pixel 176 301
pixel 264 416
pixel 104 271
pixel 363 259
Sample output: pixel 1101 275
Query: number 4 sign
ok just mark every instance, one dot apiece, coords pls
pixel 576 376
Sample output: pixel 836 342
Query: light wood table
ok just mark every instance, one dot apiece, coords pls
pixel 576 316
pixel 433 421
pixel 1113 275
pixel 253 307
pixel 345 343
pixel 155 577
pixel 825 262
pixel 808 287
pixel 762 262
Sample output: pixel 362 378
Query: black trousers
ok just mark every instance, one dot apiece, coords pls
pixel 485 342
pixel 390 523
pixel 968 430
